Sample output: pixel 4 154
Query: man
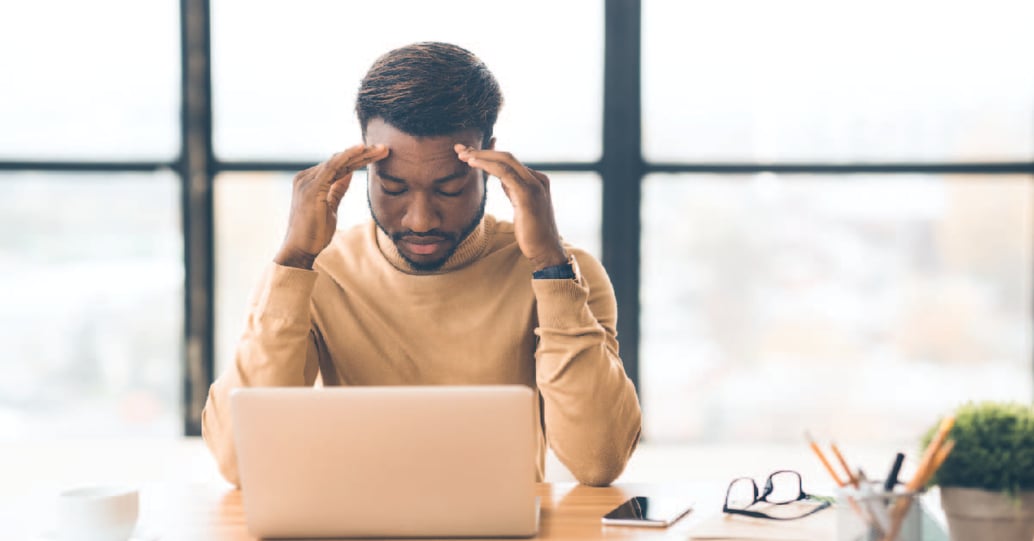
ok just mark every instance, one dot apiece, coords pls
pixel 433 291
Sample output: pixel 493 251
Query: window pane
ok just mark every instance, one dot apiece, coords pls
pixel 92 80
pixel 862 307
pixel 251 211
pixel 92 317
pixel 837 82
pixel 289 94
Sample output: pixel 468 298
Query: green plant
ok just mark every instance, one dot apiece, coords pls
pixel 994 448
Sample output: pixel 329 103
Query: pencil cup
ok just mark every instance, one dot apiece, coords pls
pixel 869 513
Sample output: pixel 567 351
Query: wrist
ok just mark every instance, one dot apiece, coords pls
pixel 291 257
pixel 553 259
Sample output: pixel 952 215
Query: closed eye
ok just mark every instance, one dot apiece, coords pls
pixel 389 192
pixel 450 194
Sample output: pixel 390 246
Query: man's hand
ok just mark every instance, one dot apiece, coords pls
pixel 315 199
pixel 528 191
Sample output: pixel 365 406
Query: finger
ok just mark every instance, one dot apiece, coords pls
pixel 373 154
pixel 305 175
pixel 337 191
pixel 541 177
pixel 328 168
pixel 345 162
pixel 499 156
pixel 504 170
pixel 512 182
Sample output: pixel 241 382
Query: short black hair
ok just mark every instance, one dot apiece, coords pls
pixel 430 88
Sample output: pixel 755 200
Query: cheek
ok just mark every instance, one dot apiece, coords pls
pixel 463 209
pixel 386 208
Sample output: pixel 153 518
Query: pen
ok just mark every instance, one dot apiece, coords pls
pixel 895 469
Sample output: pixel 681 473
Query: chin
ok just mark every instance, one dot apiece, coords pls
pixel 425 263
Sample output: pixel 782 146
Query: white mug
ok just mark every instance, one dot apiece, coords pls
pixel 99 513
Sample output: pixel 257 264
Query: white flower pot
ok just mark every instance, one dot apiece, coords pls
pixel 982 515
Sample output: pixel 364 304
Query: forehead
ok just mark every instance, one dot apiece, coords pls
pixel 409 152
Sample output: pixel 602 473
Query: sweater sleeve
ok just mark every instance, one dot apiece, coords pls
pixel 279 348
pixel 590 408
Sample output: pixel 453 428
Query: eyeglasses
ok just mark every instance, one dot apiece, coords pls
pixel 781 488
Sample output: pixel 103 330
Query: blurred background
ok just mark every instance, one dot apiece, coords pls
pixel 816 216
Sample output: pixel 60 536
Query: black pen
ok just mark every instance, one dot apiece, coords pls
pixel 892 477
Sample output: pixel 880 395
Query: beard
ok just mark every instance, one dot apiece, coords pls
pixel 454 238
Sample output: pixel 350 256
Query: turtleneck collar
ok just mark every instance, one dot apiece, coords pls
pixel 469 249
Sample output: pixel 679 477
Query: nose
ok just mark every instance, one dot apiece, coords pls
pixel 421 215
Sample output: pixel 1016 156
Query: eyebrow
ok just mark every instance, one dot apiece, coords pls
pixel 458 174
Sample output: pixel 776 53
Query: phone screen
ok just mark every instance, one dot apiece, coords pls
pixel 647 511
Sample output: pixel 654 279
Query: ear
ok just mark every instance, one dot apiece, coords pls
pixel 491 144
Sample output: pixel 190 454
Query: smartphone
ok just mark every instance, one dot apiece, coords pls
pixel 648 511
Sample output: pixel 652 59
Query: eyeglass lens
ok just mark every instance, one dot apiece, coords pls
pixel 743 493
pixel 782 487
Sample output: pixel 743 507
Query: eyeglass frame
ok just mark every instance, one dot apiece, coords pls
pixel 769 488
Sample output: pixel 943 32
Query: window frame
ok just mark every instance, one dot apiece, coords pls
pixel 621 168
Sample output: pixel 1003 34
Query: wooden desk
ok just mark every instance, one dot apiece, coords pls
pixel 183 498
pixel 210 512
pixel 214 512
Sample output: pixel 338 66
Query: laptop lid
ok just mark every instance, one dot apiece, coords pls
pixel 387 461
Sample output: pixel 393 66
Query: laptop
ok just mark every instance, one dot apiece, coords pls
pixel 399 461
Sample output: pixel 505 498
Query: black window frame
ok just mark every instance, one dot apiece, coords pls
pixel 621 169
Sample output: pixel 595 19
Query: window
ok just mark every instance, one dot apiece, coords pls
pixel 835 200
pixel 855 287
pixel 93 304
pixel 285 80
pixel 91 244
pixel 820 82
pixel 861 306
pixel 91 81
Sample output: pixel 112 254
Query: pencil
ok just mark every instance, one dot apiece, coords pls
pixel 843 463
pixel 923 473
pixel 818 452
pixel 938 459
pixel 931 451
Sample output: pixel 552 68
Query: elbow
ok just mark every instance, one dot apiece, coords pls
pixel 610 454
pixel 604 468
pixel 228 469
pixel 599 475
pixel 221 447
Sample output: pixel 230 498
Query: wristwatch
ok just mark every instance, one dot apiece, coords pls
pixel 563 271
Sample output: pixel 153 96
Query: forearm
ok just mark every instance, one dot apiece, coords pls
pixel 276 349
pixel 591 410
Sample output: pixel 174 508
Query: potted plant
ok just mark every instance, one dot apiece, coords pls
pixel 987 482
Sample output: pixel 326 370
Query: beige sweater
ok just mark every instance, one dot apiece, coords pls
pixel 365 317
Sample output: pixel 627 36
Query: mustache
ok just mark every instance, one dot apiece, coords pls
pixel 434 234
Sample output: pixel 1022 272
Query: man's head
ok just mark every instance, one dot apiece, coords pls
pixel 420 100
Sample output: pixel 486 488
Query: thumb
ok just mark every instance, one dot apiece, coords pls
pixel 337 191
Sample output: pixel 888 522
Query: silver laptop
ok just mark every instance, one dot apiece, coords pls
pixel 387 461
